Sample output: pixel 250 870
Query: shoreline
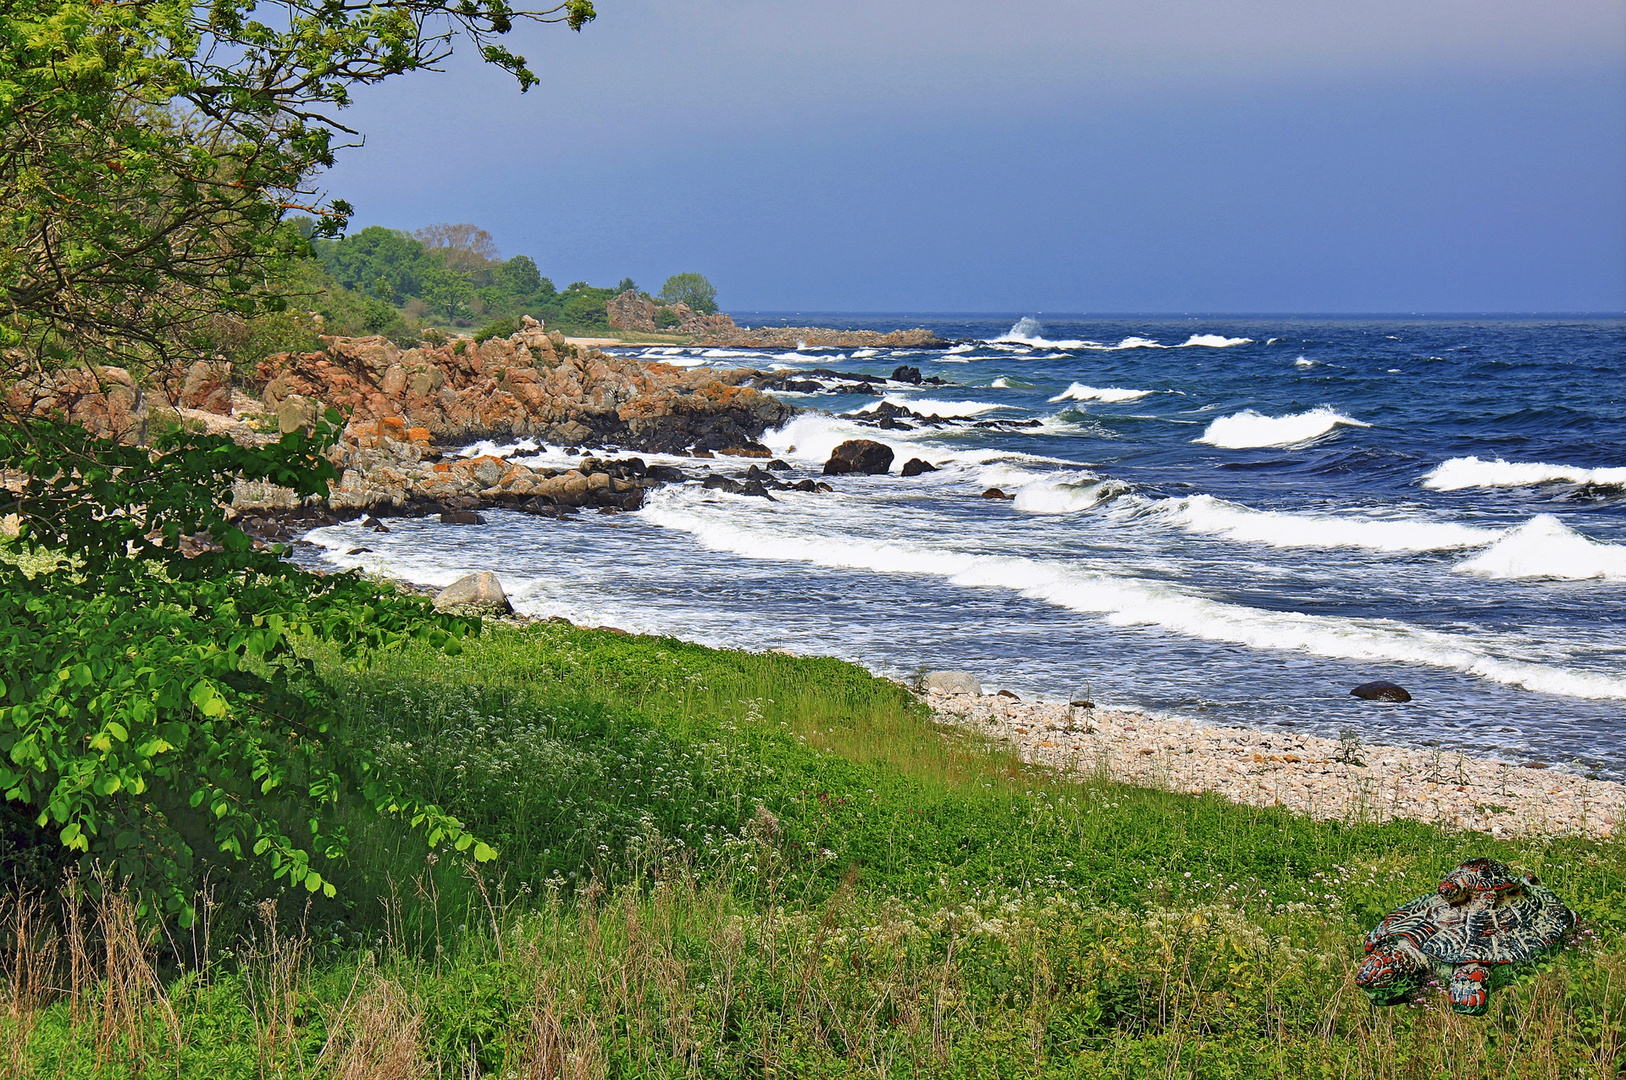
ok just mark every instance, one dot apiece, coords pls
pixel 1303 773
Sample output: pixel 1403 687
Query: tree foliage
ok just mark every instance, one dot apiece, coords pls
pixel 691 289
pixel 148 151
pixel 158 708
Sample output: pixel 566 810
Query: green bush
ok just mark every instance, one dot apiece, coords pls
pixel 500 329
pixel 666 318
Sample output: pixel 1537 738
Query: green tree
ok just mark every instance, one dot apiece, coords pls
pixel 691 289
pixel 148 151
pixel 626 285
pixel 158 706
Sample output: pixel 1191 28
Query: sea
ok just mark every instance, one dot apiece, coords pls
pixel 1234 520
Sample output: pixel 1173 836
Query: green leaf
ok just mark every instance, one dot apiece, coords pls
pixel 313 881
pixel 484 852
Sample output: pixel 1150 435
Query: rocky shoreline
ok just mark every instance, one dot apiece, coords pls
pixel 1321 778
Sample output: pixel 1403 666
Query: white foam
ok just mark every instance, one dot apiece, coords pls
pixel 859 353
pixel 1118 600
pixel 1027 331
pixel 1303 362
pixel 1216 517
pixel 1545 547
pixel 1249 428
pixel 1215 341
pixel 1470 472
pixel 487 448
pixel 811 436
pixel 1080 392
pixel 1004 383
pixel 1066 493
pixel 934 407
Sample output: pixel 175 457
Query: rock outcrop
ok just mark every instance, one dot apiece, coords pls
pixel 529 385
pixel 635 312
pixel 859 456
pixel 482 591
pixel 106 401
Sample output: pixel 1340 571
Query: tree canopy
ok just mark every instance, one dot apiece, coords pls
pixel 159 709
pixel 691 289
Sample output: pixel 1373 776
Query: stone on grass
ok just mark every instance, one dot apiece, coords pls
pixel 952 682
pixel 482 591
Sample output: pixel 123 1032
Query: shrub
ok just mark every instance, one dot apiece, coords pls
pixel 500 329
pixel 666 318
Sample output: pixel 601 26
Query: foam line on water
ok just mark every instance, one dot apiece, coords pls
pixel 1118 600
pixel 1249 428
pixel 810 437
pixel 1454 474
pixel 1066 493
pixel 1209 516
pixel 1545 547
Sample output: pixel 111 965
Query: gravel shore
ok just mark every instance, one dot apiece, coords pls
pixel 1322 778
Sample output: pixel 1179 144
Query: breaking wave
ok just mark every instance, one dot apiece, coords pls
pixel 1454 474
pixel 1249 428
pixel 1080 392
pixel 1545 547
pixel 1121 600
pixel 1066 493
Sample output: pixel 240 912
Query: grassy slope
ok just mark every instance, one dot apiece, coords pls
pixel 736 864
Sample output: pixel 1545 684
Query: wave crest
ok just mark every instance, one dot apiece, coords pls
pixel 1250 428
pixel 1080 392
pixel 1545 547
pixel 1454 474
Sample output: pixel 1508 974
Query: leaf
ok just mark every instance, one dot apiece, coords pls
pixel 313 881
pixel 209 701
pixel 484 852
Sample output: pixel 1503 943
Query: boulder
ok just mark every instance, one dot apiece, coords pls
pixel 859 456
pixel 461 517
pixel 1381 691
pixel 995 493
pixel 905 373
pixel 481 590
pixel 952 682
pixel 915 466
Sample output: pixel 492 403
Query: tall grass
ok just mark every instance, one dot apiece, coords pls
pixel 722 864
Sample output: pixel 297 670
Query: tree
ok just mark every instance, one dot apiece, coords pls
pixel 148 151
pixel 626 285
pixel 158 704
pixel 520 277
pixel 462 247
pixel 691 289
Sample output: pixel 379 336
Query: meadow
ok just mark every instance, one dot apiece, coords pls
pixel 734 864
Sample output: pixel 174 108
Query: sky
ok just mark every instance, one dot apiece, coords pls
pixel 1092 156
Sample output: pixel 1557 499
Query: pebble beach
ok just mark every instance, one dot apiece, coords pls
pixel 1322 778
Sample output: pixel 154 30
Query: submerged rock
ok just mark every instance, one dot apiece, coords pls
pixel 1381 691
pixel 915 466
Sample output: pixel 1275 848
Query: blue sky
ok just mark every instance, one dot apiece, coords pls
pixel 1135 155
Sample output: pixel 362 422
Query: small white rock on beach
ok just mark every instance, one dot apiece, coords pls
pixel 1299 772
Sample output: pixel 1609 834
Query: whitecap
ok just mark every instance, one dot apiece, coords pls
pixel 1215 341
pixel 934 407
pixel 1210 516
pixel 1249 428
pixel 810 437
pixel 1066 493
pixel 1545 547
pixel 1080 392
pixel 860 353
pixel 1119 600
pixel 1028 331
pixel 1303 362
pixel 1470 472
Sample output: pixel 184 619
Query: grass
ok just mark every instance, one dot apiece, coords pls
pixel 754 865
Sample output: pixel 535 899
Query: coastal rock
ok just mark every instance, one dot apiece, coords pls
pixel 905 373
pixel 461 517
pixel 915 466
pixel 106 401
pixel 527 386
pixel 1381 691
pixel 995 493
pixel 952 682
pixel 859 456
pixel 482 590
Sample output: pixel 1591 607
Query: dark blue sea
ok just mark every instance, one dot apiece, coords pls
pixel 1231 519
